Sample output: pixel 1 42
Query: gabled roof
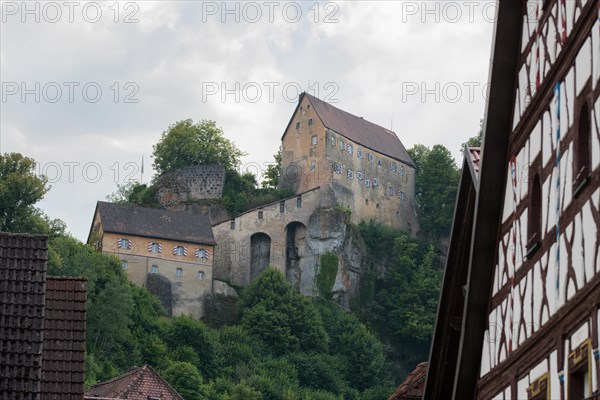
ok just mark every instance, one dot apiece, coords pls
pixel 358 129
pixel 42 324
pixel 63 354
pixel 137 384
pixel 413 385
pixel 22 294
pixel 155 223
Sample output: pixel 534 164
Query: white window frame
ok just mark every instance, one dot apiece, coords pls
pixel 371 158
pixel 342 145
pixel 179 251
pixel 360 175
pixel 338 168
pixel 179 272
pixel 375 182
pixel 154 269
pixel 332 140
pixel 350 174
pixel 200 275
pixel 367 182
pixel 313 140
pixel 360 153
pixel 124 243
pixel 349 148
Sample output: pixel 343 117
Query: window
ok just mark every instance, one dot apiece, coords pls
pixel 371 158
pixel 367 182
pixel 349 148
pixel 360 154
pixel 391 191
pixel 124 265
pixel 534 220
pixel 313 165
pixel 179 251
pixel 232 224
pixel 379 163
pixel 154 247
pixel 402 195
pixel 313 140
pixel 394 167
pixel 581 159
pixel 579 382
pixel 179 272
pixel 332 140
pixel 297 125
pixel 360 175
pixel 375 182
pixel 310 121
pixel 154 269
pixel 200 276
pixel 281 207
pixel 201 253
pixel 260 214
pixel 338 168
pixel 299 202
pixel 538 390
pixel 342 145
pixel 124 243
pixel 402 170
pixel 350 174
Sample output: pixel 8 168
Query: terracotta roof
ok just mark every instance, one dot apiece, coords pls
pixel 63 354
pixel 22 284
pixel 413 386
pixel 155 223
pixel 360 130
pixel 137 384
pixel 473 159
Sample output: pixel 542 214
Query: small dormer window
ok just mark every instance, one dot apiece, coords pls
pixel 349 148
pixel 297 125
pixel 201 253
pixel 179 251
pixel 310 121
pixel 154 247
pixel 371 158
pixel 124 243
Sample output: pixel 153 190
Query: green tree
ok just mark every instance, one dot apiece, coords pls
pixel 244 392
pixel 284 319
pixel 20 190
pixel 436 185
pixel 272 174
pixel 185 378
pixel 186 143
pixel 134 193
pixel 475 141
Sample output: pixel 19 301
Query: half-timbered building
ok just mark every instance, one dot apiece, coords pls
pixel 528 324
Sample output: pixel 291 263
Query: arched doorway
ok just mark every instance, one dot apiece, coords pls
pixel 260 253
pixel 295 234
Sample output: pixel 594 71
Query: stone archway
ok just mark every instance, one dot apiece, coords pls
pixel 295 233
pixel 260 253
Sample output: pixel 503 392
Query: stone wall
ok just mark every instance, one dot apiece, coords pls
pixel 190 184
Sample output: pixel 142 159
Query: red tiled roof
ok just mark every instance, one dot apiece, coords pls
pixel 137 384
pixel 63 354
pixel 22 286
pixel 361 131
pixel 413 385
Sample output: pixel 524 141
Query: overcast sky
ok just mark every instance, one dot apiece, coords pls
pixel 88 87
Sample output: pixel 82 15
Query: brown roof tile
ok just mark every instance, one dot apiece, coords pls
pixel 360 130
pixel 413 386
pixel 137 384
pixel 155 223
pixel 23 260
pixel 63 354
